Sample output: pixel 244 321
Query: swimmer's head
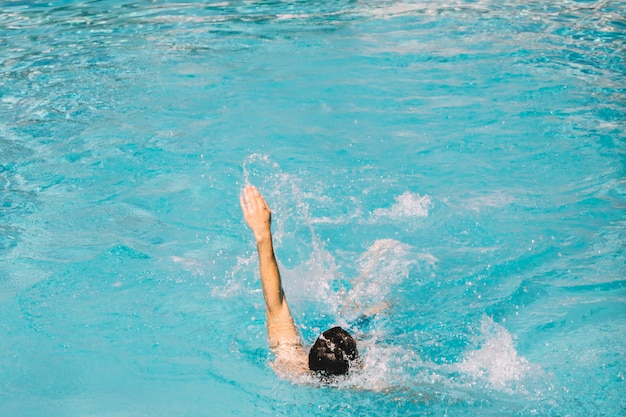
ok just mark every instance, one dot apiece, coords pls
pixel 332 352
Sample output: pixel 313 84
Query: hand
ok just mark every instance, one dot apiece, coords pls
pixel 256 212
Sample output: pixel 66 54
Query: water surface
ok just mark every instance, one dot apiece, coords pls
pixel 462 161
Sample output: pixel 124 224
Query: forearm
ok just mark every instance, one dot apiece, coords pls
pixel 270 275
pixel 280 325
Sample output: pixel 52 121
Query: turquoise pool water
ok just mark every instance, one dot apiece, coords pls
pixel 462 161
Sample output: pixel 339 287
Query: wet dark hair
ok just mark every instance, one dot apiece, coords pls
pixel 332 352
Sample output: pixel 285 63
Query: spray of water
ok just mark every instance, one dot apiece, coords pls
pixel 382 268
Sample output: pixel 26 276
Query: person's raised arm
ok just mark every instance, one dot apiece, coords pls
pixel 280 324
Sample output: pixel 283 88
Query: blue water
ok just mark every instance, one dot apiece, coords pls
pixel 461 161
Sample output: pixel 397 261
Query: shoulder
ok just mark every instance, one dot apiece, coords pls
pixel 290 360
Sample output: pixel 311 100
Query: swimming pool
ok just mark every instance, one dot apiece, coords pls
pixel 462 161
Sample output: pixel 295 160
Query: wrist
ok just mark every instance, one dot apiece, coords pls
pixel 263 237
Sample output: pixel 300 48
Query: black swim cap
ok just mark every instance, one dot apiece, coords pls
pixel 332 352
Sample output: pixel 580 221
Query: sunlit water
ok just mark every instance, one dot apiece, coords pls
pixel 462 162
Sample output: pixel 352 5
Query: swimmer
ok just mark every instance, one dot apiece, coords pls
pixel 334 351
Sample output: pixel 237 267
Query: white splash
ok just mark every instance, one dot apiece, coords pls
pixel 407 205
pixel 496 361
pixel 382 367
pixel 386 263
pixel 255 162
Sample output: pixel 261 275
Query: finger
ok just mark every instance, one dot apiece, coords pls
pixel 258 198
pixel 246 198
pixel 264 204
pixel 244 208
pixel 251 200
pixel 256 195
